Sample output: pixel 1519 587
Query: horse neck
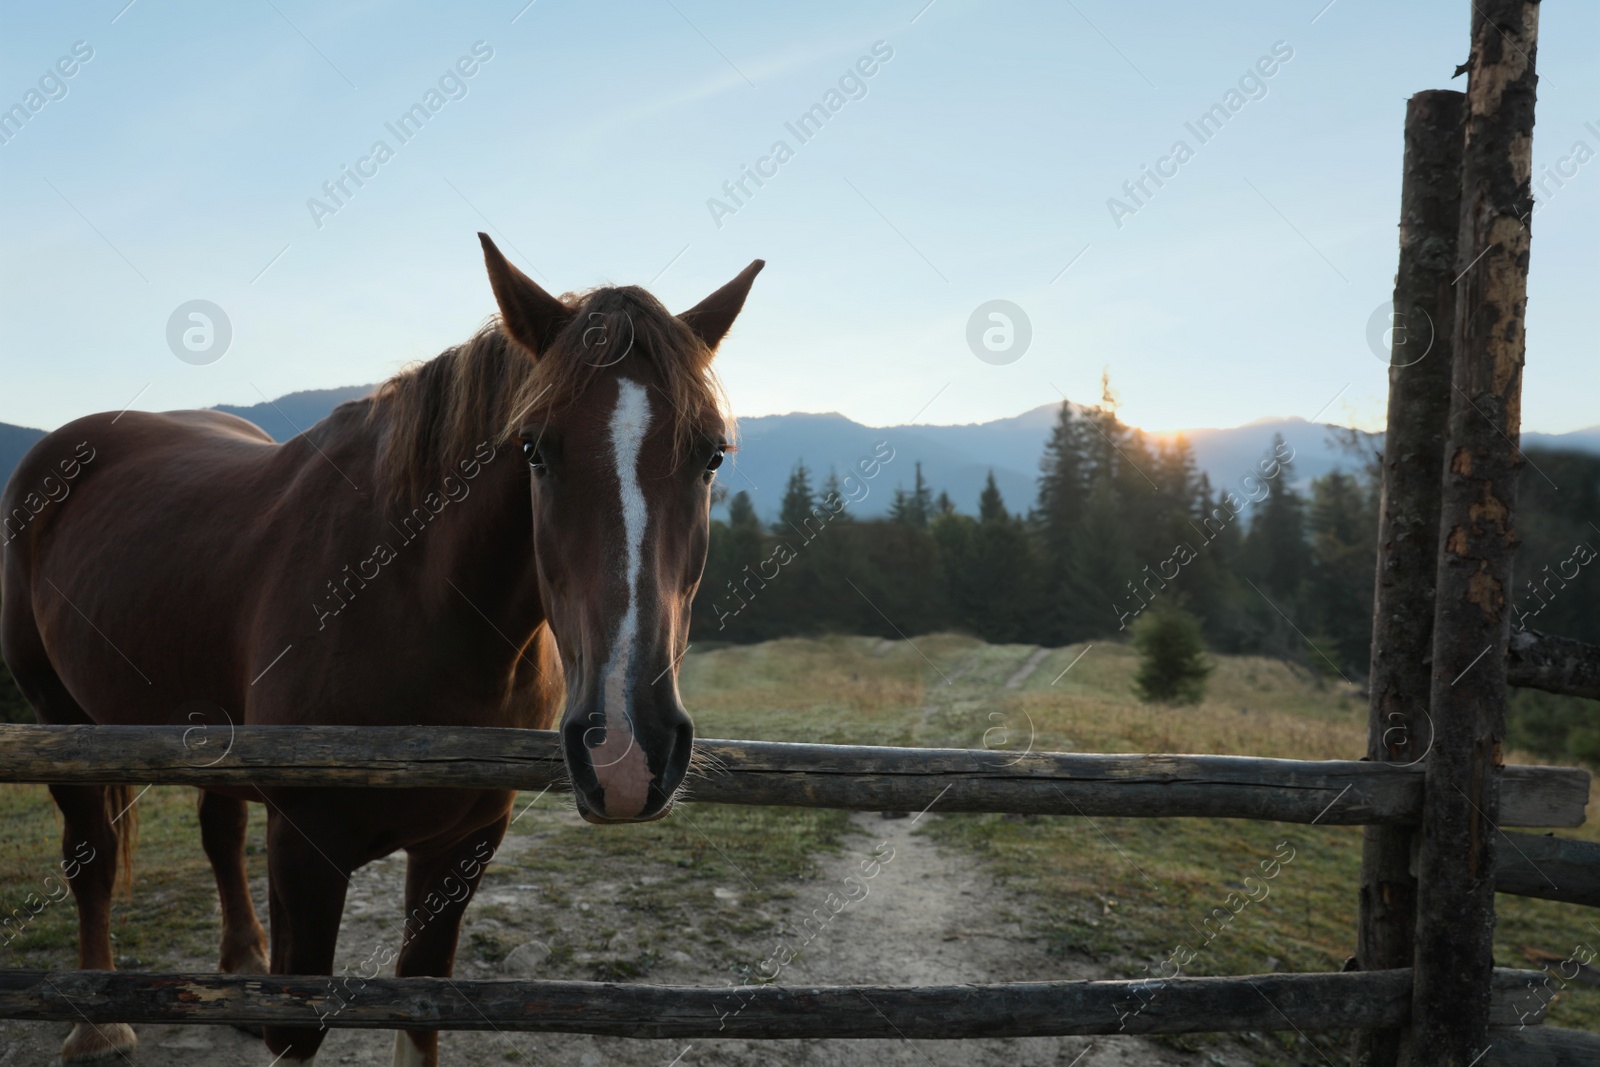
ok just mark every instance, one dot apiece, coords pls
pixel 480 546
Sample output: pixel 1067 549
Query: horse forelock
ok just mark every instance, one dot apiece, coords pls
pixel 434 414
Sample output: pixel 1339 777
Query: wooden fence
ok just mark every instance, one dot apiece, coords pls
pixel 859 778
pixel 1325 793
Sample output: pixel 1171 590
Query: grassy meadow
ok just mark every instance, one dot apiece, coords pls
pixel 1124 891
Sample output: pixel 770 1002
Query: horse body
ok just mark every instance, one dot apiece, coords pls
pixel 263 600
pixel 384 567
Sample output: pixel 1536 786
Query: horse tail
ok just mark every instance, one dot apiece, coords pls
pixel 122 812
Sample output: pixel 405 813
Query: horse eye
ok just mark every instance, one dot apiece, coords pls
pixel 716 458
pixel 531 453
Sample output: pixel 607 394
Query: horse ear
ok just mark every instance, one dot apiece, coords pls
pixel 530 315
pixel 712 317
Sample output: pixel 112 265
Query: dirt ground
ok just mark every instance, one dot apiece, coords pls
pixel 930 916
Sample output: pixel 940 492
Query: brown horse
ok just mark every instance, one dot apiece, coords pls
pixel 507 535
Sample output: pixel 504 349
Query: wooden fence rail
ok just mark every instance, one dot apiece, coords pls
pixel 1327 792
pixel 1550 868
pixel 1537 660
pixel 1307 1002
pixel 1542 1047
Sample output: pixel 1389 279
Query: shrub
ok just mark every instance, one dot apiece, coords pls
pixel 1172 660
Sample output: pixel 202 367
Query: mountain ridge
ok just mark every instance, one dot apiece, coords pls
pixel 956 458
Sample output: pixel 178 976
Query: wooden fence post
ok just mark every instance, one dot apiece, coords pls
pixel 1408 522
pixel 1455 866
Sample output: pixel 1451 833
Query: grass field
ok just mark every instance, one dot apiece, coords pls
pixel 1124 891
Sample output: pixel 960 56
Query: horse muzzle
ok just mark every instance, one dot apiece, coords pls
pixel 627 774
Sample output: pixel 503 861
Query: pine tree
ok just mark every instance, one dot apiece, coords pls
pixel 1275 559
pixel 739 542
pixel 990 507
pixel 1062 486
pixel 1102 568
pixel 1058 522
pixel 1275 547
pixel 1343 527
pixel 1176 475
pixel 834 498
pixel 798 501
pixel 899 575
pixel 1172 661
pixel 991 571
pixel 913 508
pixel 1119 458
pixel 1148 504
pixel 923 496
pixel 746 541
pixel 742 513
pixel 1211 582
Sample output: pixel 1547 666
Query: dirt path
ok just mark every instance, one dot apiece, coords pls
pixel 929 916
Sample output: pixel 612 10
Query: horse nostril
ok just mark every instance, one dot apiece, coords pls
pixel 678 759
pixel 580 736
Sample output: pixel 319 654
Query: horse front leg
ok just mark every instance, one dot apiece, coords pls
pixel 440 879
pixel 307 878
pixel 223 821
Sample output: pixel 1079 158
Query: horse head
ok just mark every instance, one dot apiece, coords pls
pixel 622 431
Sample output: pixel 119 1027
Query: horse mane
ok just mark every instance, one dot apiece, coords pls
pixel 433 414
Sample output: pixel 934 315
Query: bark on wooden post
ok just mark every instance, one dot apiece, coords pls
pixel 1555 664
pixel 1399 729
pixel 1455 870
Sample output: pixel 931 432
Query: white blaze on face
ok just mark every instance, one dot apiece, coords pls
pixel 620 765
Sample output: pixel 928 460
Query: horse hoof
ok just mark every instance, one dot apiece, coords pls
pixel 251 961
pixel 92 1043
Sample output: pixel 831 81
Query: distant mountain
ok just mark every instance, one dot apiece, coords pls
pixel 14 444
pixel 954 459
pixel 282 418
pixel 295 413
pixel 1587 441
pixel 957 458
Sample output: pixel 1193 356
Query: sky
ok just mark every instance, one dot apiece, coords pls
pixel 185 158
